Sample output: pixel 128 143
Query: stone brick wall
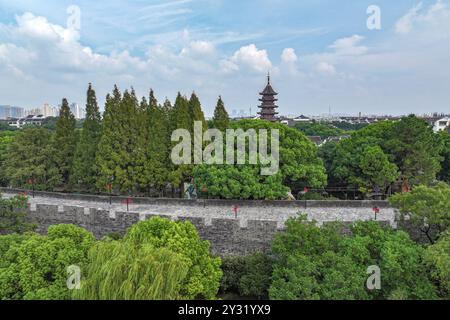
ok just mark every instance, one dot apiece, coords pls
pixel 252 231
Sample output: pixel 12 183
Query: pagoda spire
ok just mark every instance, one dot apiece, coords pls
pixel 268 99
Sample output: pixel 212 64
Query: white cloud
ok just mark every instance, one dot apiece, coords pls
pixel 404 24
pixel 203 47
pixel 436 16
pixel 31 26
pixel 326 68
pixel 289 56
pixel 200 49
pixel 349 46
pixel 253 58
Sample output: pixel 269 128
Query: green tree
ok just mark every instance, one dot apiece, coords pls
pixel 64 143
pixel 327 152
pixel 308 265
pixel 203 275
pixel 6 127
pixel 180 115
pixel 157 165
pixel 415 149
pixel 109 148
pixel 36 267
pixel 404 275
pixel 13 215
pixel 83 172
pixel 410 144
pixel 444 174
pixel 322 263
pixel 6 139
pixel 427 207
pixel 221 119
pixel 233 268
pixel 347 126
pixel 319 129
pixel 180 118
pixel 347 158
pixel 376 169
pixel 299 167
pixel 437 260
pixel 122 149
pixel 30 158
pixel 257 276
pixel 248 276
pixel 120 270
pixel 196 112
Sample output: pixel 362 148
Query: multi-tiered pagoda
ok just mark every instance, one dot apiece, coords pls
pixel 268 106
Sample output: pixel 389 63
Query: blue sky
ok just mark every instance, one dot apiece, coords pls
pixel 320 53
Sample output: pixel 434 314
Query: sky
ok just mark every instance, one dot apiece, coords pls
pixel 321 54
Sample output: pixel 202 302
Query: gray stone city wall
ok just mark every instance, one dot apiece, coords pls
pixel 252 231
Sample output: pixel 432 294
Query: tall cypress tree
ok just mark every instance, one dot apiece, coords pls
pixel 108 153
pixel 180 118
pixel 221 118
pixel 196 112
pixel 157 165
pixel 138 141
pixel 83 173
pixel 131 159
pixel 65 142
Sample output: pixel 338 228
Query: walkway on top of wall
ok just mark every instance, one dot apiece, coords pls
pixel 201 202
pixel 243 211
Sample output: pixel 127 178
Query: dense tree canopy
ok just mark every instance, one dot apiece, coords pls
pixel 30 159
pixel 34 267
pixel 122 149
pixel 319 129
pixel 444 174
pixel 427 207
pixel 406 150
pixel 203 273
pixel 321 263
pixel 120 270
pixel 415 150
pixel 299 167
pixel 157 259
pixel 6 139
pixel 13 215
pixel 437 259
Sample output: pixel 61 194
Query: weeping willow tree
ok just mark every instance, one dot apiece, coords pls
pixel 158 259
pixel 120 270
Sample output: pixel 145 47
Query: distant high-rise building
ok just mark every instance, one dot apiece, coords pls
pixel 34 112
pixel 7 111
pixel 17 112
pixel 77 111
pixel 4 112
pixel 48 111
